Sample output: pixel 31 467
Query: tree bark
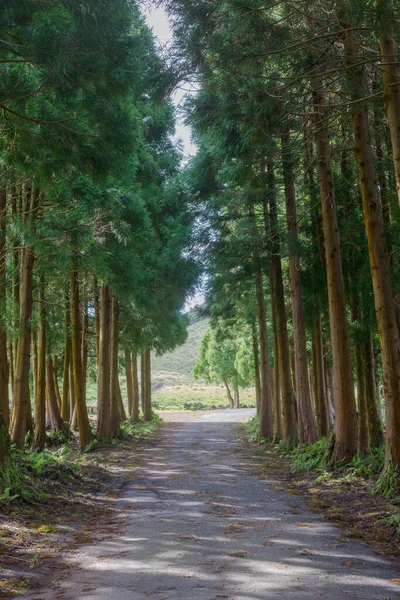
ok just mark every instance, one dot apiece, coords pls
pixel 236 396
pixel 229 395
pixel 85 433
pixel 129 380
pixel 321 411
pixel 4 370
pixel 345 430
pixel 57 424
pixel 104 370
pixel 375 425
pixel 65 399
pixel 285 414
pixel 389 55
pixel 307 430
pixel 135 415
pixel 21 385
pixel 257 382
pixel 40 392
pixel 147 409
pixel 115 415
pixel 380 269
pixel 278 426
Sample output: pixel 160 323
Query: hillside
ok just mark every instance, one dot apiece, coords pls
pixel 176 367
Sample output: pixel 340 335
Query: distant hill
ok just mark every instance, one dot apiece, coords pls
pixel 176 367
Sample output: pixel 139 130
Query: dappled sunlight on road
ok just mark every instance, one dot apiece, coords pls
pixel 201 525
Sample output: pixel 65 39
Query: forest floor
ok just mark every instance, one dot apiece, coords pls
pixel 206 517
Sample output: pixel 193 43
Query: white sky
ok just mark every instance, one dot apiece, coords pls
pixel 158 21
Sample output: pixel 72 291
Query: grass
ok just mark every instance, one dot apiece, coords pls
pixel 176 367
pixel 197 397
pixel 27 472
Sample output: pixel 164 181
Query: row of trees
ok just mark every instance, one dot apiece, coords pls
pixel 297 120
pixel 94 216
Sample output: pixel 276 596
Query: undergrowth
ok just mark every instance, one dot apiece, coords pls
pixel 25 469
pixel 316 457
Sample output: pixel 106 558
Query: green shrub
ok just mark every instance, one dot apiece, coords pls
pixel 309 457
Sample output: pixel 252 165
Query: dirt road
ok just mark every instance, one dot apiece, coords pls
pixel 199 524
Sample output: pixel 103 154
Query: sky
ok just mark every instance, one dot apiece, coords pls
pixel 158 21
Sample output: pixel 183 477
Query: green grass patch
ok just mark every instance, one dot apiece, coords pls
pixel 141 429
pixel 25 471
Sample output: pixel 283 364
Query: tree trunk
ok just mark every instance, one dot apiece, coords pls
pixel 40 391
pixel 55 377
pixel 143 379
pixel 147 409
pixel 236 396
pixel 257 382
pixel 121 407
pixel 266 415
pixel 129 380
pixel 285 414
pixel 85 333
pixel 115 416
pixel 135 415
pixel 4 370
pixel 72 411
pixel 96 300
pixel 380 271
pixel 375 425
pixel 321 409
pixel 307 430
pixel 21 385
pixel 85 433
pixel 57 424
pixel 104 370
pixel 345 431
pixel 389 54
pixel 278 426
pixel 65 400
pixel 228 393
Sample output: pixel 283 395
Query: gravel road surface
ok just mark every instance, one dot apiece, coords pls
pixel 199 524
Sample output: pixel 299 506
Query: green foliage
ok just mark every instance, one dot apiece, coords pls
pixel 25 469
pixel 141 429
pixel 392 520
pixel 308 457
pixel 368 465
pixel 253 430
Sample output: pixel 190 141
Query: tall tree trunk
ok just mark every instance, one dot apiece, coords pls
pixel 380 271
pixel 257 381
pixel 143 379
pixel 135 415
pixel 147 408
pixel 55 377
pixel 96 300
pixel 285 414
pixel 129 380
pixel 57 424
pixel 278 426
pixel 307 430
pixel 85 433
pixel 236 395
pixel 4 370
pixel 390 63
pixel 85 334
pixel 321 408
pixel 40 392
pixel 65 400
pixel 21 385
pixel 229 395
pixel 115 416
pixel 103 379
pixel 345 432
pixel 121 407
pixel 375 425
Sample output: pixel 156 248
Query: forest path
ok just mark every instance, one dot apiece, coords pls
pixel 199 524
